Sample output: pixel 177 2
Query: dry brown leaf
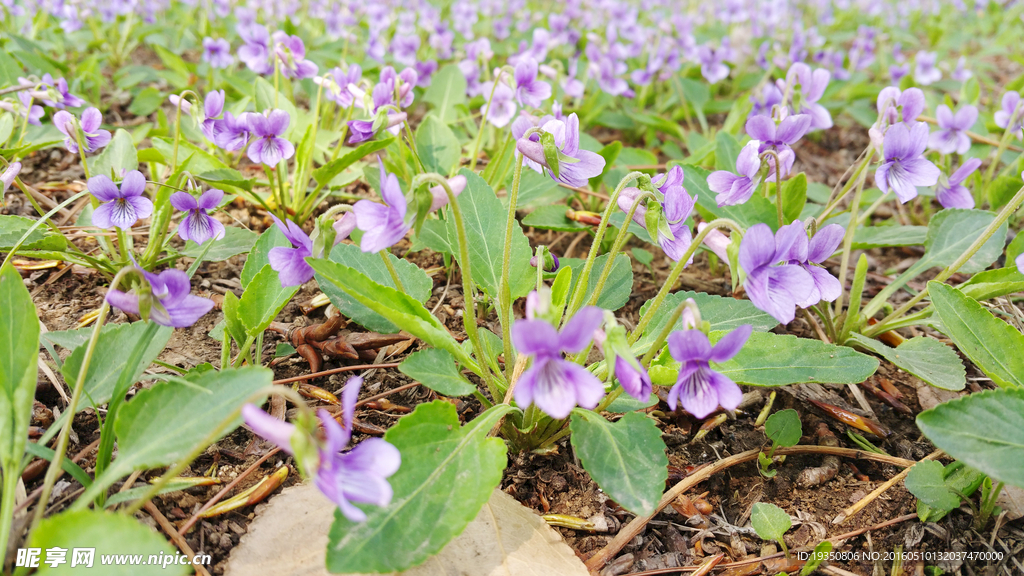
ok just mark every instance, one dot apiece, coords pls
pixel 1011 499
pixel 289 538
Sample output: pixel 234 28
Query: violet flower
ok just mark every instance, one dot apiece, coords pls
pixel 95 137
pixel 567 139
pixel 232 133
pixel 338 86
pixel 357 475
pixel 217 52
pixel 8 176
pixel 267 146
pixel 362 130
pixel 712 66
pixel 290 263
pixel 530 92
pixel 290 53
pixel 925 71
pixel 457 184
pixel 255 52
pixel 384 93
pixel 735 189
pixel 24 108
pixel 951 193
pixel 171 303
pixel 120 207
pixel 960 73
pixel 404 48
pixel 59 88
pixel 502 106
pixel 699 389
pixel 812 86
pixel 776 289
pixel 1012 108
pixel 553 384
pixel 633 377
pixel 344 226
pixel 383 225
pixel 198 226
pixel 904 168
pixel 716 241
pixel 1019 261
pixel 213 107
pixel 778 137
pixel 676 208
pixel 895 106
pixel 952 136
pixel 810 254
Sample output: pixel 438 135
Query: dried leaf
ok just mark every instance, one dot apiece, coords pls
pixel 289 538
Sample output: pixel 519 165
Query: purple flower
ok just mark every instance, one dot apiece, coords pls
pixel 267 146
pixel 951 192
pixel 198 226
pixel 339 83
pixel 213 107
pixel 502 106
pixel 404 48
pixel 776 289
pixel 811 88
pixel 676 208
pixel 95 138
pixel 530 92
pixel 553 384
pixel 120 207
pixel 904 168
pixel 809 255
pixel 440 196
pixel 171 304
pixel 952 136
pixel 217 53
pixel 771 96
pixel 735 189
pixel 700 389
pixel 231 133
pixel 425 71
pixel 925 72
pixel 59 88
pixel 25 108
pixel 362 130
pixel 712 66
pixel 716 242
pixel 635 381
pixel 344 226
pixel 566 137
pixel 1011 109
pixel 290 263
pixel 778 137
pixel 291 56
pixel 255 52
pixel 896 106
pixel 383 225
pixel 358 475
pixel 1019 261
pixel 392 82
pixel 960 73
pixel 10 173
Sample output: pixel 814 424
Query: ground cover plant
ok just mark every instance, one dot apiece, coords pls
pixel 670 278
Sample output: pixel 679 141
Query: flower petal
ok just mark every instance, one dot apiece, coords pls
pixel 730 344
pixel 266 426
pixel 579 330
pixel 689 345
pixel 535 337
pixel 103 188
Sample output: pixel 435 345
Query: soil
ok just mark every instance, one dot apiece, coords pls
pixel 555 482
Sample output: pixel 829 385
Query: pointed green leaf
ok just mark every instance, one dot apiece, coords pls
pixel 924 357
pixel 263 300
pixel 437 145
pixel 447 90
pixel 19 354
pixel 436 369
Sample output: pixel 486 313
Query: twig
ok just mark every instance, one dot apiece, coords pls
pixel 629 531
pixel 180 542
pixel 223 491
pixel 846 514
pixel 35 493
pixel 334 371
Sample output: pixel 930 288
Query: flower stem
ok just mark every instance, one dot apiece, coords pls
pixel 76 395
pixel 392 271
pixel 10 486
pixel 670 281
pixel 620 240
pixel 986 234
pixel 851 228
pixel 483 122
pixel 581 285
pixel 869 153
pixel 505 291
pixel 344 131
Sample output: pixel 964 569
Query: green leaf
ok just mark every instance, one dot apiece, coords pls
pixel 1002 189
pixel 434 235
pixel 259 255
pixel 110 358
pixel 397 307
pixel 925 481
pixel 794 197
pixel 553 218
pixel 783 428
pixel 866 238
pixel 626 459
pixel 105 533
pixel 724 314
pixel 951 231
pixel 146 101
pixel 228 177
pixel 172 60
pixel 263 300
pixel 326 173
pixel 618 286
pixel 961 480
pixel 537 190
pixel 19 354
pixel 12 228
pixel 992 283
pixel 448 472
pixel 485 220
pixel 235 241
pixel 769 521
pixel 769 359
pixel 447 90
pixel 437 145
pixel 626 403
pixel 232 321
pixel 643 256
pixel 610 153
pixel 924 357
pixel 819 555
pixel 726 152
pixel 163 424
pixel 415 281
pixel 436 369
pixel 993 345
pixel 984 430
